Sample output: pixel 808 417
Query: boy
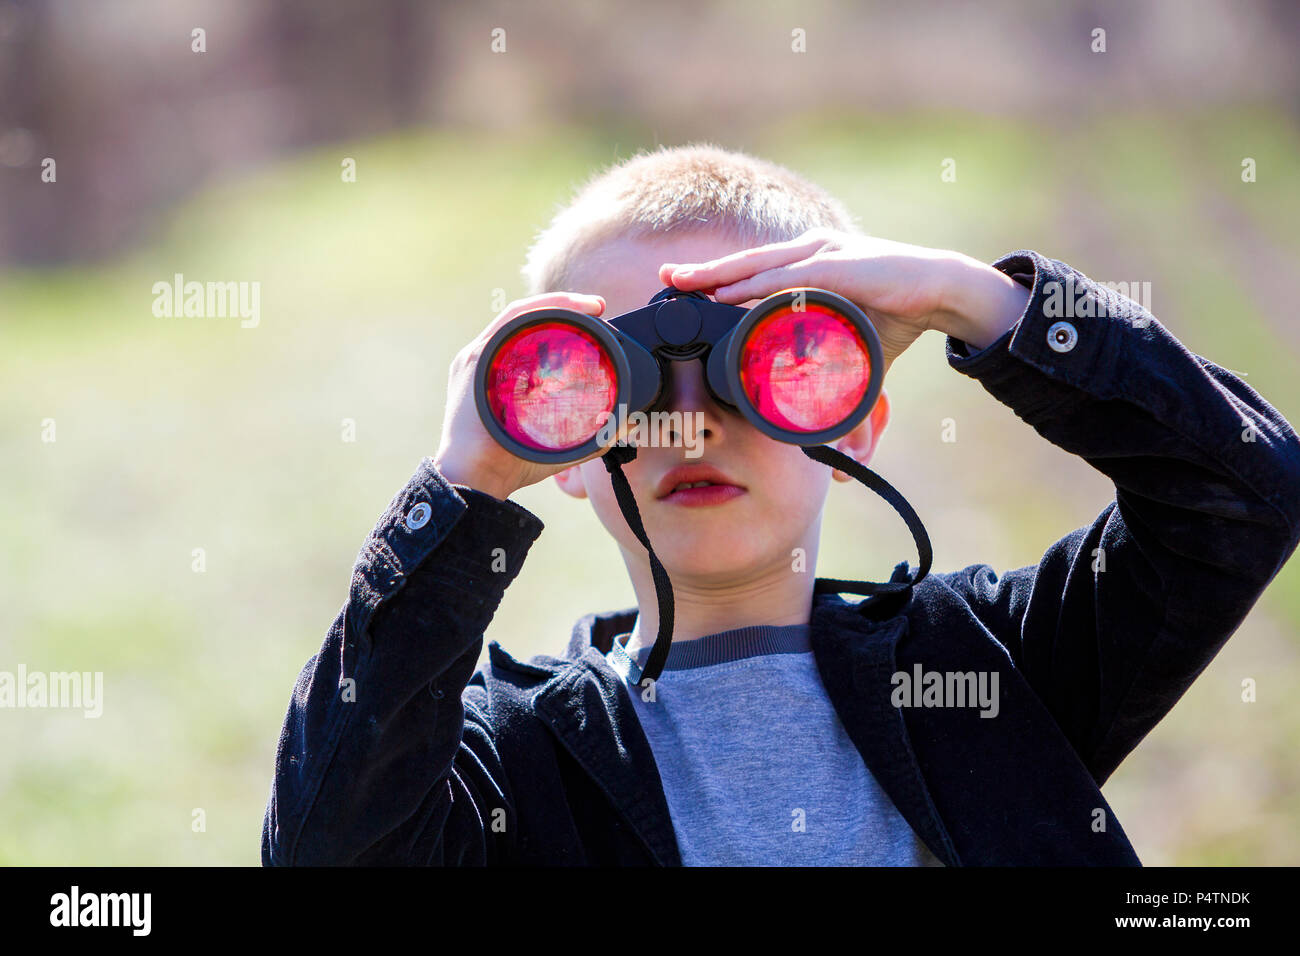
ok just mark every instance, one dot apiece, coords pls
pixel 782 730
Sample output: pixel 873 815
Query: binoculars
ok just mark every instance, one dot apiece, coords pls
pixel 803 366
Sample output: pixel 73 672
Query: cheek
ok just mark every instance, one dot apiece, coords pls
pixel 787 478
pixel 798 494
pixel 600 492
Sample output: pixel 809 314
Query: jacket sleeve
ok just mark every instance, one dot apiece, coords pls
pixel 1119 617
pixel 379 760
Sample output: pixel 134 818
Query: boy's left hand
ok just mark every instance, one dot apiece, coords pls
pixel 904 289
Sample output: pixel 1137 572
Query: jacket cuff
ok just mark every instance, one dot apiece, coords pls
pixel 480 543
pixel 1059 352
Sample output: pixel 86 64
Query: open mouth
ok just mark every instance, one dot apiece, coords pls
pixel 703 493
pixel 697 485
pixel 692 484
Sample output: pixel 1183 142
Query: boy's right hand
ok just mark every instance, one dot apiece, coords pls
pixel 468 454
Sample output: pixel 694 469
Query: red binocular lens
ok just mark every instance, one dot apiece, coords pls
pixel 804 366
pixel 804 371
pixel 551 385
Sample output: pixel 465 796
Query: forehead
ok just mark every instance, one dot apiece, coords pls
pixel 626 271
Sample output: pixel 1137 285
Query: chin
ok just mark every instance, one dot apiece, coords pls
pixel 711 555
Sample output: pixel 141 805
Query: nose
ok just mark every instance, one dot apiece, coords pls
pixel 685 391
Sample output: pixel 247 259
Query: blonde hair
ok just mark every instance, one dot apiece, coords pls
pixel 680 188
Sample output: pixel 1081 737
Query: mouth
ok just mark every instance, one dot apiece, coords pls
pixel 696 486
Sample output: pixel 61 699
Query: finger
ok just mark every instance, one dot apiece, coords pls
pixel 578 302
pixel 740 265
pixel 666 277
pixel 807 272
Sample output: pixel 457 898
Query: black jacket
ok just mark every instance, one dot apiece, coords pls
pixel 396 750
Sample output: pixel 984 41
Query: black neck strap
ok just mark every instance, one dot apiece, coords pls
pixel 614 460
pixel 619 455
pixel 855 469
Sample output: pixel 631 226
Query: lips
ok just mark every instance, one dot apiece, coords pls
pixel 697 484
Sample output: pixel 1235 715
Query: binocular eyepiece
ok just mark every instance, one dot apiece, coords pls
pixel 804 366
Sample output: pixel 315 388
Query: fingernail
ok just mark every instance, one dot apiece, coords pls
pixel 684 273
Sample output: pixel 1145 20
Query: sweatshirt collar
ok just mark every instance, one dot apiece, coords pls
pixel 724 647
pixel 599 629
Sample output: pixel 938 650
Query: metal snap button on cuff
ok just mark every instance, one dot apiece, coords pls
pixel 1062 337
pixel 418 516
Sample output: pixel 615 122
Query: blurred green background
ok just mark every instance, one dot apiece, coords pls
pixel 175 434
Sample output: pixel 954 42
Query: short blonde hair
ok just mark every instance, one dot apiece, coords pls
pixel 675 189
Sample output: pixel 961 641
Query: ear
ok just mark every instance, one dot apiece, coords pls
pixel 571 482
pixel 860 444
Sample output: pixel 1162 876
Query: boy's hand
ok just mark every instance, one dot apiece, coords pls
pixel 903 289
pixel 467 454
